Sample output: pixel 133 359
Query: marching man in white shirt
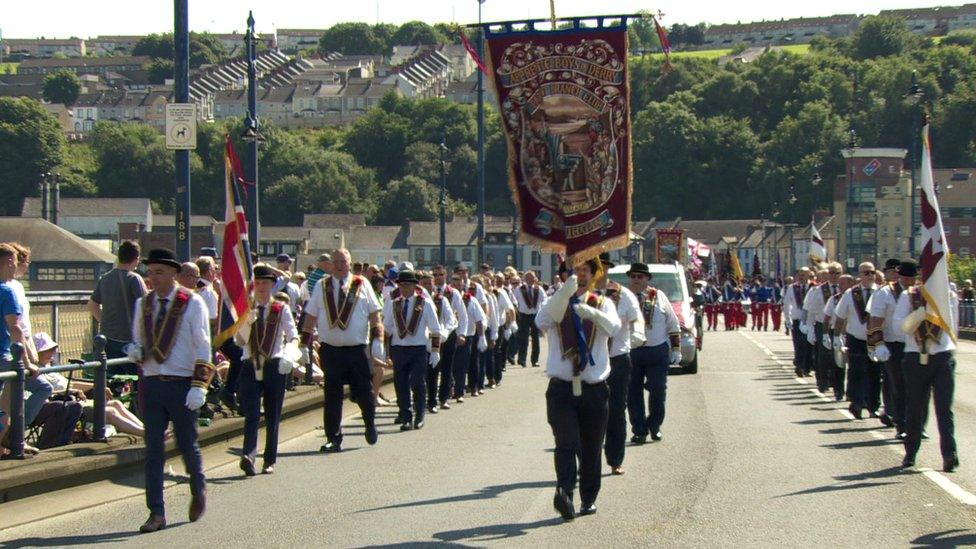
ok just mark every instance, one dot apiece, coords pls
pixel 171 343
pixel 346 311
pixel 577 398
pixel 270 342
pixel 886 345
pixel 850 330
pixel 448 323
pixel 455 343
pixel 411 321
pixel 473 340
pixel 530 298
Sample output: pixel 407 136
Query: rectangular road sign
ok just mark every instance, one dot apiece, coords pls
pixel 181 126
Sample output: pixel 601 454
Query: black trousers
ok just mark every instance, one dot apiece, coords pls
pixel 619 384
pixel 442 373
pixel 799 346
pixel 462 356
pixel 938 377
pixel 343 365
pixel 579 425
pixel 498 361
pixel 235 355
pixel 271 390
pixel 527 330
pixel 818 362
pixel 857 366
pixel 894 383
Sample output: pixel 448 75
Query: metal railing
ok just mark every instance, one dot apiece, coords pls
pixel 16 374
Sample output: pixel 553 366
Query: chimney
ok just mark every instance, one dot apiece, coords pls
pixel 56 199
pixel 45 198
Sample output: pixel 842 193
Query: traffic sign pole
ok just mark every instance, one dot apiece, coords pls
pixel 181 88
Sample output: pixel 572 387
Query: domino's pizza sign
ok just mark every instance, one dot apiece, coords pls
pixel 871 167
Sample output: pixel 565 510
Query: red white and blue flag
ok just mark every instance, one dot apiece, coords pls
pixel 235 262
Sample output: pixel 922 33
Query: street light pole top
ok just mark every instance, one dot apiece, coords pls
pixel 250 20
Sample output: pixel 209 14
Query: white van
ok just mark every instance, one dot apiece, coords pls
pixel 670 279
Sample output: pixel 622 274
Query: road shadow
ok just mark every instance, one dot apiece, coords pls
pixel 948 538
pixel 820 421
pixel 835 488
pixel 496 532
pixel 72 540
pixel 861 444
pixel 842 430
pixel 316 452
pixel 887 472
pixel 488 492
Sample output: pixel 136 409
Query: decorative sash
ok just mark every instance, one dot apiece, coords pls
pixel 798 295
pixel 160 339
pixel 405 327
pixel 339 314
pixel 926 331
pixel 530 301
pixel 567 332
pixel 896 289
pixel 825 291
pixel 860 304
pixel 263 343
pixel 438 298
pixel 648 303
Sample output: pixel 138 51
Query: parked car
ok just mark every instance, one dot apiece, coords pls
pixel 670 279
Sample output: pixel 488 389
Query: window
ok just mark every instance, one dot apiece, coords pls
pixel 65 273
pixel 290 249
pixel 536 259
pixel 964 230
pixel 897 231
pixel 466 254
pixel 419 254
pixel 451 255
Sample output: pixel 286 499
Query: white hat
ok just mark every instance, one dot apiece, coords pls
pixel 43 342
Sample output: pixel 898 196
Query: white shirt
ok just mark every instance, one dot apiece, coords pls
pixel 560 368
pixel 829 312
pixel 814 303
pixel 627 310
pixel 426 327
pixel 192 342
pixel 24 319
pixel 491 312
pixel 209 296
pixel 663 320
pixel 846 310
pixel 523 306
pixel 475 315
pixel 446 319
pixel 460 311
pixel 357 329
pixel 792 306
pixel 882 305
pixel 945 343
pixel 283 284
pixel 287 331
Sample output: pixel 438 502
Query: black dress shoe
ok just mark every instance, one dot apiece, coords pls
pixel 886 420
pixel 856 412
pixel 398 421
pixel 407 426
pixel 950 463
pixel 908 462
pixel 418 425
pixel 925 436
pixel 198 506
pixel 432 409
pixel 563 504
pixel 902 435
pixel 331 448
pixel 445 405
pixel 371 435
pixel 247 466
pixel 587 509
pixel 638 439
pixel 657 435
pixel 153 524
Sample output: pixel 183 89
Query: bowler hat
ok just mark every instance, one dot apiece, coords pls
pixel 264 271
pixel 163 256
pixel 892 264
pixel 639 268
pixel 605 259
pixel 282 258
pixel 908 267
pixel 406 277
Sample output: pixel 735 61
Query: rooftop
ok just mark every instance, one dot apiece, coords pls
pixel 50 243
pixel 90 207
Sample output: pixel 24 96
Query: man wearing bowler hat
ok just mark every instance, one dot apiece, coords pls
pixel 650 360
pixel 411 320
pixel 172 346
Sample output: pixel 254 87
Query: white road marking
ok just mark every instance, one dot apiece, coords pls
pixel 940 480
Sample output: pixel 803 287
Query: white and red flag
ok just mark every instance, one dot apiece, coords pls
pixel 818 251
pixel 934 260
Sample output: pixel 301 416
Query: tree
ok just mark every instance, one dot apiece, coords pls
pixel 378 140
pixel 416 33
pixel 880 36
pixel 412 198
pixel 336 185
pixel 31 143
pixel 204 48
pixel 352 39
pixel 62 87
pixel 159 70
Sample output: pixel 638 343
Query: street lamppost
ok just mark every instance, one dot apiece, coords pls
pixel 251 135
pixel 915 95
pixel 851 145
pixel 481 141
pixel 443 203
pixel 181 94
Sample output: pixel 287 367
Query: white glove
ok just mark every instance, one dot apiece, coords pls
pixel 598 317
pixel 435 357
pixel 911 322
pixel 637 336
pixel 882 353
pixel 285 366
pixel 493 334
pixel 560 300
pixel 195 398
pixel 811 337
pixel 825 341
pixel 376 349
pixel 804 328
pixel 482 343
pixel 675 357
pixel 306 356
pixel 838 342
pixel 133 351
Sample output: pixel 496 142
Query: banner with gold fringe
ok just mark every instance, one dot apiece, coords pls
pixel 564 101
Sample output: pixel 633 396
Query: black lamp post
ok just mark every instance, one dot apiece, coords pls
pixel 915 95
pixel 443 203
pixel 252 136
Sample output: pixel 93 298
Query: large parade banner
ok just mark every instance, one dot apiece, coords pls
pixel 564 103
pixel 668 245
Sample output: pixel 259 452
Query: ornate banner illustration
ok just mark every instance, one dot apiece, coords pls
pixel 564 103
pixel 669 245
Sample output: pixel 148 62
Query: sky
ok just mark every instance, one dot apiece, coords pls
pixel 66 18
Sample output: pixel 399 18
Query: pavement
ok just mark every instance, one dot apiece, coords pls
pixel 751 456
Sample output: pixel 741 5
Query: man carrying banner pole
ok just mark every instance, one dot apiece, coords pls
pixel 927 316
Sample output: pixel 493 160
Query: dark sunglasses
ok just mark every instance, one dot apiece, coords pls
pixel 867 273
pixel 636 275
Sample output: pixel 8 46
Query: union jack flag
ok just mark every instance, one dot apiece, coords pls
pixel 235 261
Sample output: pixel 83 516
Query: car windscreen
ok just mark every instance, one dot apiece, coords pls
pixel 669 283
